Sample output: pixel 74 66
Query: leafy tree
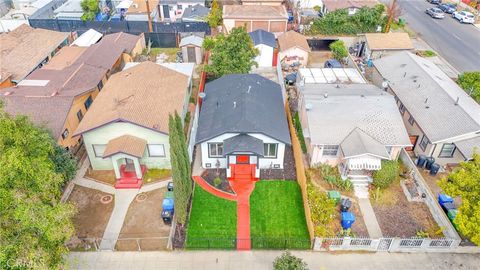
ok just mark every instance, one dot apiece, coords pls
pixel 90 9
pixel 214 18
pixel 387 174
pixel 339 50
pixel 287 261
pixel 231 54
pixel 180 167
pixel 470 82
pixel 64 163
pixel 463 182
pixel 34 225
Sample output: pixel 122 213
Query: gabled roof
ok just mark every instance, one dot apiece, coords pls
pixel 468 146
pixel 293 39
pixel 144 95
pixel 191 40
pixel 195 13
pixel 389 41
pixel 126 144
pixel 243 143
pixel 88 38
pixel 254 12
pixel 332 5
pixel 243 103
pixel 65 57
pixel 359 143
pixel 263 37
pixel 335 110
pixel 24 48
pixel 440 107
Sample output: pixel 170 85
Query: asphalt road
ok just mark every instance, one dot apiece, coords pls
pixel 458 43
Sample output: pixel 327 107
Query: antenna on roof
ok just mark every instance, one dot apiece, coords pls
pixel 249 87
pixel 426 100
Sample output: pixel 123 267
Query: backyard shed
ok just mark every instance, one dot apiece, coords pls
pixel 265 43
pixel 192 49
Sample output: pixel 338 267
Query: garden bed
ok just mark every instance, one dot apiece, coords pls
pixel 217 179
pixel 288 172
pixel 103 176
pixel 154 175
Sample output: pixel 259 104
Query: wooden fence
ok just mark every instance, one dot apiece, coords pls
pixel 300 169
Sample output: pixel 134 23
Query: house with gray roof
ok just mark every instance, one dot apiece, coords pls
pixel 243 121
pixel 352 126
pixel 196 13
pixel 443 121
pixel 265 43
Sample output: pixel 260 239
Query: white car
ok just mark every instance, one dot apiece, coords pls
pixel 463 16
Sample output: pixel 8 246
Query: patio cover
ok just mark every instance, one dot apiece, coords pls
pixel 125 144
pixel 243 143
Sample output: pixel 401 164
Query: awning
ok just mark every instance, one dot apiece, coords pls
pixel 364 163
pixel 243 143
pixel 125 144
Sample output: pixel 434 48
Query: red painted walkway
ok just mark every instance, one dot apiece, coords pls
pixel 242 183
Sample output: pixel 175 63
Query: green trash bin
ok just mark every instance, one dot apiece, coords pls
pixel 169 195
pixel 452 213
pixel 401 21
pixel 333 194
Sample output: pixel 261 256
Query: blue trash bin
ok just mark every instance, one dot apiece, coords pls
pixel 167 204
pixel 421 161
pixel 429 163
pixel 348 218
pixel 444 198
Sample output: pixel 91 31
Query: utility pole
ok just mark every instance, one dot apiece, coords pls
pixel 391 14
pixel 149 18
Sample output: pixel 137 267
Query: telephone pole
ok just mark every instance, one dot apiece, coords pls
pixel 149 18
pixel 391 14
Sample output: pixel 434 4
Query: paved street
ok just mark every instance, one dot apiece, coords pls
pixel 458 43
pixel 216 260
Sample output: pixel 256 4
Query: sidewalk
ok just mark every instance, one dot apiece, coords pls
pixel 253 260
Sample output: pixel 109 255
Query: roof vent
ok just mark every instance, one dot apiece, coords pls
pixel 135 5
pixel 7 93
pixel 458 99
pixel 308 106
pixel 249 87
pixel 426 100
pixel 325 95
pixel 202 95
pixel 234 104
pixel 54 93
pixel 405 74
pixel 337 86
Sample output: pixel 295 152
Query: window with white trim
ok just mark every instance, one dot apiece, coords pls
pixel 411 120
pixel 270 150
pixel 424 142
pixel 402 108
pixel 99 149
pixel 215 149
pixel 447 150
pixel 330 150
pixel 156 150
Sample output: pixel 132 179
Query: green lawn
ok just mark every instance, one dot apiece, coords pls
pixel 277 219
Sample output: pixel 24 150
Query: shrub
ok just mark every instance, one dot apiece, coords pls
pixel 470 82
pixel 287 261
pixel 217 181
pixel 331 176
pixel 299 129
pixel 323 211
pixel 339 50
pixel 428 53
pixel 387 174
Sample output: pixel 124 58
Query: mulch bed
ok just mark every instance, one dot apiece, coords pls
pixel 210 174
pixel 288 172
pixel 403 218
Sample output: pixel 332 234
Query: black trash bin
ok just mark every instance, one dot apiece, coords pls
pixel 170 186
pixel 434 168
pixel 167 216
pixel 421 161
pixel 345 205
pixel 448 206
pixel 429 163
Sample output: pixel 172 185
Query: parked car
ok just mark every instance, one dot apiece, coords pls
pixel 435 13
pixel 435 2
pixel 464 16
pixel 332 63
pixel 448 8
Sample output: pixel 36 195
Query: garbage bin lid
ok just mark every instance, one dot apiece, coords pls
pixel 445 197
pixel 348 216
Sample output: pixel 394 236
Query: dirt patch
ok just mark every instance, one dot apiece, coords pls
pixel 399 218
pixel 432 180
pixel 288 172
pixel 314 175
pixel 318 58
pixel 144 223
pixel 103 176
pixel 91 218
pixel 210 174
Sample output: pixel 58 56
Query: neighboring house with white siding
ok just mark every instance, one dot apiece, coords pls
pixel 265 43
pixel 443 121
pixel 243 121
pixel 126 128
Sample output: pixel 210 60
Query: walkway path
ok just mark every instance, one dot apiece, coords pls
pixel 261 260
pixel 369 218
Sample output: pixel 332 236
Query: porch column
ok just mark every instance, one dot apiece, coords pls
pixel 138 169
pixel 116 169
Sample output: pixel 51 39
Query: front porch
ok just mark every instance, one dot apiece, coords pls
pixel 129 177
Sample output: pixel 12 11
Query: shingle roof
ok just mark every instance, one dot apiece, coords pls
pixel 263 37
pixel 468 146
pixel 359 143
pixel 243 143
pixel 140 6
pixel 24 48
pixel 65 57
pixel 254 12
pixel 195 13
pixel 332 5
pixel 126 144
pixel 191 40
pixel 144 95
pixel 389 41
pixel 430 96
pixel 292 39
pixel 335 111
pixel 243 103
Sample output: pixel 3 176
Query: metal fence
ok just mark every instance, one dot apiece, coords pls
pixel 266 243
pixel 122 244
pixel 384 244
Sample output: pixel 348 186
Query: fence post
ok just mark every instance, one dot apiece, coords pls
pixel 285 245
pixel 346 242
pixel 138 244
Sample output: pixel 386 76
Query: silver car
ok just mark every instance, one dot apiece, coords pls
pixel 435 13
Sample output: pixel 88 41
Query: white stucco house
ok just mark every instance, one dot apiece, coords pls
pixel 265 43
pixel 243 121
pixel 293 48
pixel 126 128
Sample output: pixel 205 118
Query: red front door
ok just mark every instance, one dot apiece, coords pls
pixel 413 140
pixel 243 159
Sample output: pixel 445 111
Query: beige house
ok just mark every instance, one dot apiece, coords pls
pixel 293 48
pixel 126 129
pixel 443 121
pixel 378 45
pixel 262 2
pixel 266 17
pixel 352 6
